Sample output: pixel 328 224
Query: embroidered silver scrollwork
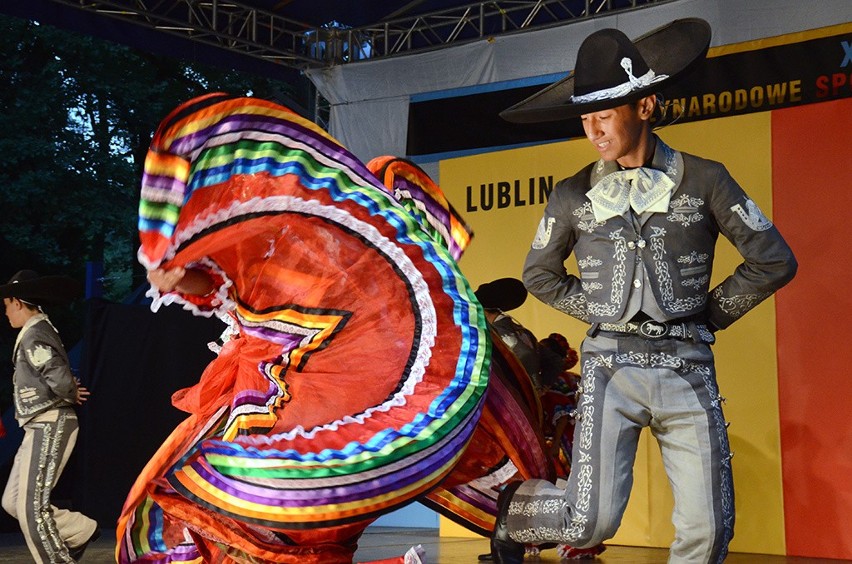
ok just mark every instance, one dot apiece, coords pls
pixel 575 306
pixel 666 285
pixel 738 305
pixel 695 283
pixel 726 479
pixel 590 287
pixel 589 262
pixel 693 257
pixel 684 210
pixel 586 218
pixel 619 269
pixel 653 360
pixel 671 160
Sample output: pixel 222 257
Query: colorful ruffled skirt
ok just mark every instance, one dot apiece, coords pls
pixel 355 372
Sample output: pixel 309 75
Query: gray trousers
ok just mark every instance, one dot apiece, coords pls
pixel 629 383
pixel 48 441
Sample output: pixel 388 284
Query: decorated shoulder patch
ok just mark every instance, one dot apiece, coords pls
pixel 542 234
pixel 39 355
pixel 752 216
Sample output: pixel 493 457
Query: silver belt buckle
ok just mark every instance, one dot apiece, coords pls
pixel 651 329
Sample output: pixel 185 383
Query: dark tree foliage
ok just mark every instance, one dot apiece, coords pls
pixel 76 118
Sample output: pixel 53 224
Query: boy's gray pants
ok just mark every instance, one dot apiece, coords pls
pixel 629 382
pixel 49 531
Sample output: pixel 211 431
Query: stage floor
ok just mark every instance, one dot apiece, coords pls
pixel 386 542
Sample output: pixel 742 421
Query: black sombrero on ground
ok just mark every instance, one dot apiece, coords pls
pixel 504 294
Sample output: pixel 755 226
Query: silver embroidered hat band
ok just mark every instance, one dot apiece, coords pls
pixel 623 89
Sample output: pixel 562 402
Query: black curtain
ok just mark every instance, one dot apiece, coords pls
pixel 132 361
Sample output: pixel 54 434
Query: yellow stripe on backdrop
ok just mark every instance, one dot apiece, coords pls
pixel 498 194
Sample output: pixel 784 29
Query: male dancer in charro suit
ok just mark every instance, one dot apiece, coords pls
pixel 642 223
pixel 45 393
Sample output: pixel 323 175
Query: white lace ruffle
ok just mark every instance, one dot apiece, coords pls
pixel 221 303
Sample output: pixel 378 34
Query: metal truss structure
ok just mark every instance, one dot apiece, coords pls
pixel 248 30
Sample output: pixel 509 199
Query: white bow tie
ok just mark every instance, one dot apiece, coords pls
pixel 643 189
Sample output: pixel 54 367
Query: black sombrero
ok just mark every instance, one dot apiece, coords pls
pixel 29 287
pixel 611 71
pixel 504 294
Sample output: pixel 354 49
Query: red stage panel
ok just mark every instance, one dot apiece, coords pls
pixel 812 189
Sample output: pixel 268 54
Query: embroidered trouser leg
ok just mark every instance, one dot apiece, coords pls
pixel 630 383
pixel 48 441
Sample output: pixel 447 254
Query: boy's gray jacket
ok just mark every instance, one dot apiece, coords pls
pixel 43 378
pixel 676 247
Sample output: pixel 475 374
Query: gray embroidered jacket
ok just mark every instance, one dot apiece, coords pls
pixel 676 247
pixel 43 378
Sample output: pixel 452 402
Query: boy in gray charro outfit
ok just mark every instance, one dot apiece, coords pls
pixel 45 392
pixel 643 223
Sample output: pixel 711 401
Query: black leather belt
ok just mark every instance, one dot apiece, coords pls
pixel 652 329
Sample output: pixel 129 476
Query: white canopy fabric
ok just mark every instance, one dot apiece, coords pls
pixel 369 100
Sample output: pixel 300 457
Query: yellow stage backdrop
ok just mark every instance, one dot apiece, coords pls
pixel 499 194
